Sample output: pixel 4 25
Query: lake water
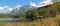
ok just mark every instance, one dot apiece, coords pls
pixel 9 19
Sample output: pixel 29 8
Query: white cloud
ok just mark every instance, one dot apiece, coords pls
pixel 5 6
pixel 32 4
pixel 44 3
pixel 1 8
pixel 9 10
pixel 18 6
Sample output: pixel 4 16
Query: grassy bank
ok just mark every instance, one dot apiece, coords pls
pixel 52 21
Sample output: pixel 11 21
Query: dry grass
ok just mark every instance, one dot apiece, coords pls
pixel 43 22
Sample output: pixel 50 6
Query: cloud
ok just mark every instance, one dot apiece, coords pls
pixel 44 3
pixel 1 8
pixel 5 9
pixel 41 4
pixel 5 6
pixel 8 10
pixel 18 6
pixel 32 4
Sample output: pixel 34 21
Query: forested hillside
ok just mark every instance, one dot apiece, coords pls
pixel 46 11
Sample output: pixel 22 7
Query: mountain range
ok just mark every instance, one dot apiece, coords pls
pixel 23 9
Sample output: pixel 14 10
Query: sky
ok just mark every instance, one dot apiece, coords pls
pixel 9 5
pixel 12 3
